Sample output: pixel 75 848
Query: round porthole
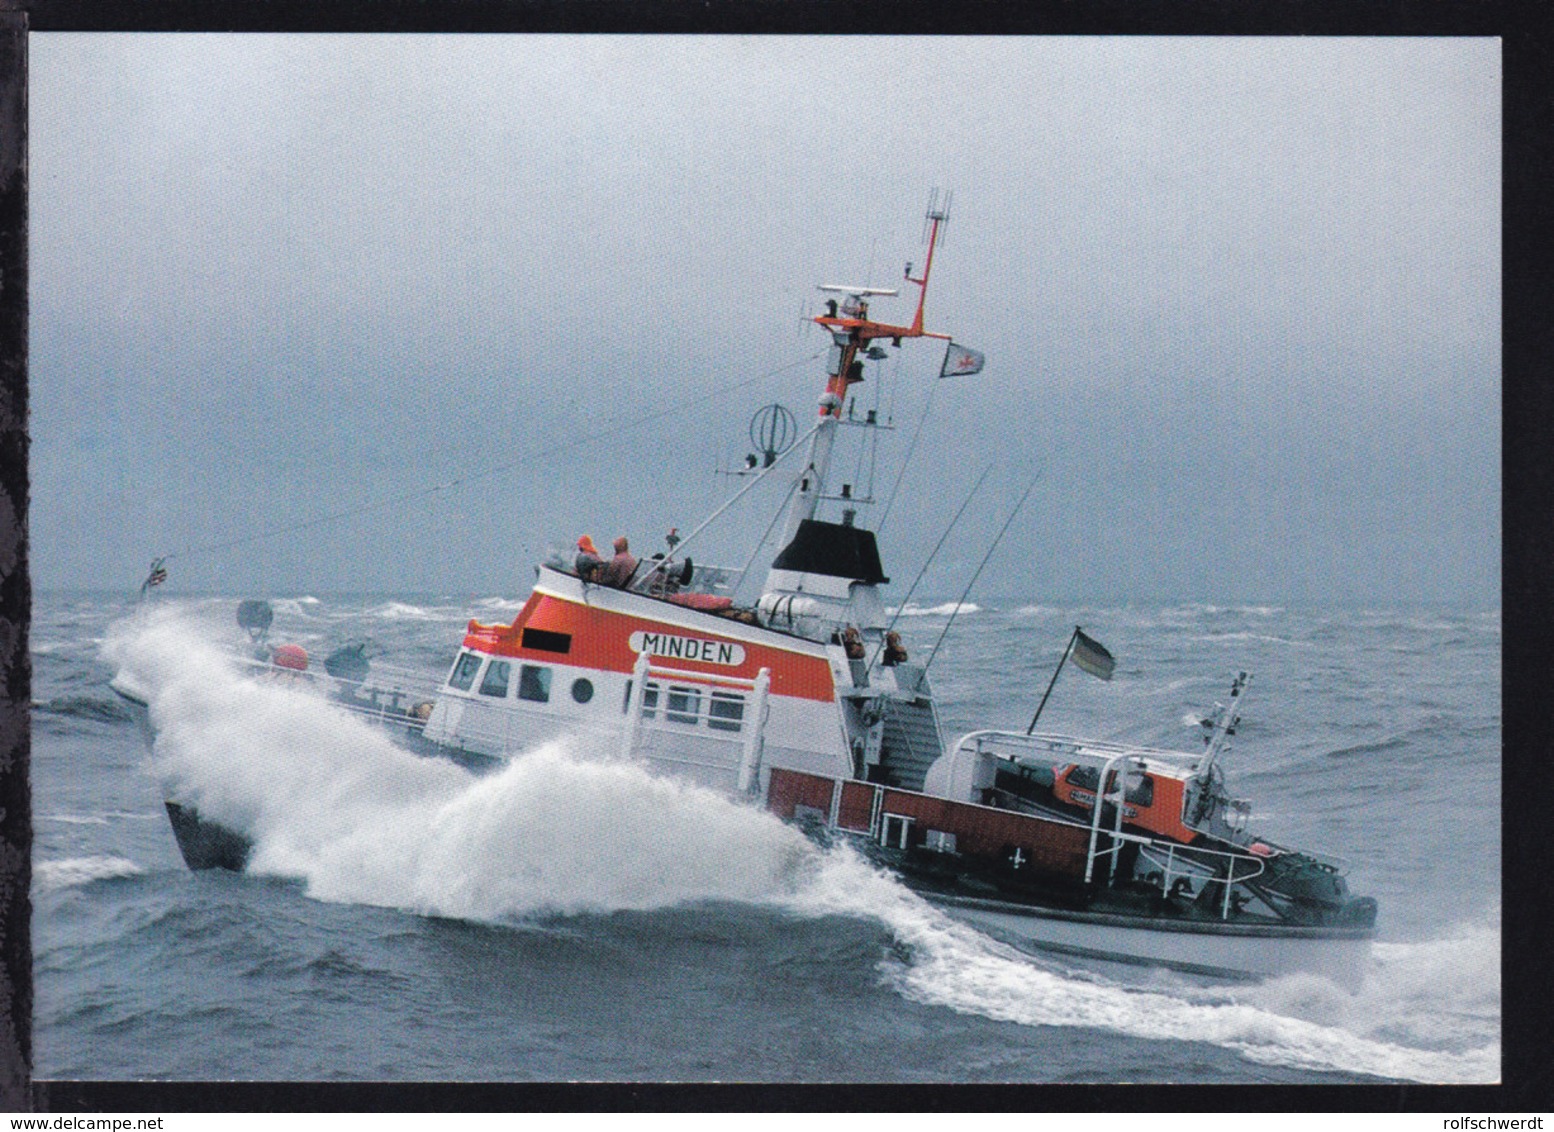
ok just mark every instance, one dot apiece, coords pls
pixel 582 690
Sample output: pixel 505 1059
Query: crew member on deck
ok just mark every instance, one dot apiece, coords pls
pixel 587 564
pixel 852 643
pixel 894 653
pixel 618 571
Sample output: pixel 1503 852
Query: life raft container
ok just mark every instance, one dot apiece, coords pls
pixel 710 603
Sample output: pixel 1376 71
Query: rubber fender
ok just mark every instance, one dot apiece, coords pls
pixel 1358 913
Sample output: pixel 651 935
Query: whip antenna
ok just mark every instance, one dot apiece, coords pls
pixel 913 588
pixel 978 573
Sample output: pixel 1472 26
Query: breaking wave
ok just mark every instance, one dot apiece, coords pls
pixel 295 606
pixel 100 709
pixel 559 831
pixel 50 876
pixel 500 604
pixel 400 611
pixel 1438 994
pixel 944 609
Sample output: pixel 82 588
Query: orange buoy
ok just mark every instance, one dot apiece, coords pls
pixel 290 656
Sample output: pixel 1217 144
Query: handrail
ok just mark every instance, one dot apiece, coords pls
pixel 1229 880
pixel 755 735
pixel 710 679
pixel 343 692
pixel 1070 747
pixel 1111 788
pixel 1104 794
pixel 752 720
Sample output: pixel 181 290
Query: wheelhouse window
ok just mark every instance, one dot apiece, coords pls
pixel 725 711
pixel 1140 787
pixel 684 705
pixel 1084 777
pixel 547 641
pixel 534 683
pixel 495 682
pixel 464 670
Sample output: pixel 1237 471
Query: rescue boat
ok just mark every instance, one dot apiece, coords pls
pixel 803 702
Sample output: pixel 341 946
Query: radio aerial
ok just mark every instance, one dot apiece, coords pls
pixel 772 431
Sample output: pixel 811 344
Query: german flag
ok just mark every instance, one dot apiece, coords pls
pixel 1092 656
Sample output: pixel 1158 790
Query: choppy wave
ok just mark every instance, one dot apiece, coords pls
pixel 400 611
pixel 75 819
pixel 504 604
pixel 103 709
pixel 1220 637
pixel 1435 995
pixel 49 876
pixel 295 606
pixel 1373 747
pixel 944 609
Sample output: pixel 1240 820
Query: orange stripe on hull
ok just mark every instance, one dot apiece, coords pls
pixel 601 639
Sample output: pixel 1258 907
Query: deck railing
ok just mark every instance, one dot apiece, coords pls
pixel 752 721
pixel 1212 866
pixel 389 697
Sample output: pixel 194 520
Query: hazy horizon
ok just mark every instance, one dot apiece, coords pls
pixel 1240 301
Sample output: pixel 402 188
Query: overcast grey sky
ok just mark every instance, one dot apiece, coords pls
pixel 1239 298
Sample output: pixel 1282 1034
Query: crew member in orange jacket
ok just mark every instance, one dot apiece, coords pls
pixel 587 564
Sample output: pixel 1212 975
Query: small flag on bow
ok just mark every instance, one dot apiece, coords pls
pixel 959 360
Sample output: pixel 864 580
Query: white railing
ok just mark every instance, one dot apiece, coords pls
pixel 1118 798
pixel 752 723
pixel 1211 866
pixel 1193 865
pixel 1014 744
pixel 392 701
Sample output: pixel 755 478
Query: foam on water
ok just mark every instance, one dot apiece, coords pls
pixel 294 606
pixel 1442 993
pixel 74 819
pixel 334 803
pixel 401 611
pixel 1038 610
pixel 944 609
pixel 500 604
pixel 1390 1029
pixel 49 876
pixel 1218 638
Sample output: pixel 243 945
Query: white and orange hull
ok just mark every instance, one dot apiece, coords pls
pixel 570 656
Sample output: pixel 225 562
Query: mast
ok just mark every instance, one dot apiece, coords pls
pixel 852 330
